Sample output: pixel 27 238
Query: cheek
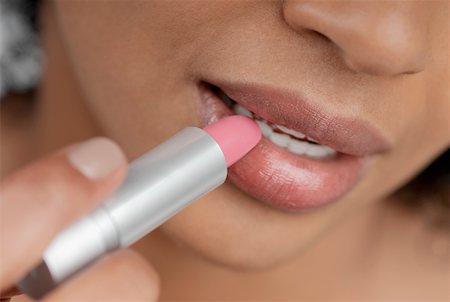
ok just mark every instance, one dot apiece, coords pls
pixel 133 86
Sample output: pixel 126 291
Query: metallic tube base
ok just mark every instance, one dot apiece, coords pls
pixel 38 282
pixel 159 184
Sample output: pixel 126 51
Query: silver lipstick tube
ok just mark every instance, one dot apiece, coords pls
pixel 159 184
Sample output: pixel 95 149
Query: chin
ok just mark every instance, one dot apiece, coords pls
pixel 229 229
pixel 238 254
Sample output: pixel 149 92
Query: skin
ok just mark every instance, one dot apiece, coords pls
pixel 129 70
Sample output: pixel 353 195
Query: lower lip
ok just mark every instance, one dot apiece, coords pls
pixel 281 179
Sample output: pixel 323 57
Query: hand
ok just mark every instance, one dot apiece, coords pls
pixel 37 202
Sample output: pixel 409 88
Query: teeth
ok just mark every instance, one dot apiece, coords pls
pixel 286 140
pixel 312 150
pixel 242 110
pixel 312 140
pixel 298 147
pixel 265 129
pixel 319 151
pixel 291 132
pixel 280 139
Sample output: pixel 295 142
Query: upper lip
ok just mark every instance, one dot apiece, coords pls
pixel 349 135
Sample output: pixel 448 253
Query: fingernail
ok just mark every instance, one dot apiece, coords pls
pixel 96 158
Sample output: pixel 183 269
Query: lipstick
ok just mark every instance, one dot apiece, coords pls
pixel 158 185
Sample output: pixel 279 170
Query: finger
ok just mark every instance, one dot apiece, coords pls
pixel 121 276
pixel 9 293
pixel 38 201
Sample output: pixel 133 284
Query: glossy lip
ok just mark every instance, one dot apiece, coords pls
pixel 284 180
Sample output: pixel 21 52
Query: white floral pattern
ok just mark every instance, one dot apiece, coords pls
pixel 20 55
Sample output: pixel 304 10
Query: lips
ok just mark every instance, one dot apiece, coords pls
pixel 278 177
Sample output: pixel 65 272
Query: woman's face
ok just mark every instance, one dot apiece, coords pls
pixel 367 80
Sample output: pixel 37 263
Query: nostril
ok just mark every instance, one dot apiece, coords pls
pixel 320 35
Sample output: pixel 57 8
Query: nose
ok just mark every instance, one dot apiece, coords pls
pixel 376 37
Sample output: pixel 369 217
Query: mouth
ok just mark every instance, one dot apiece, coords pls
pixel 306 159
